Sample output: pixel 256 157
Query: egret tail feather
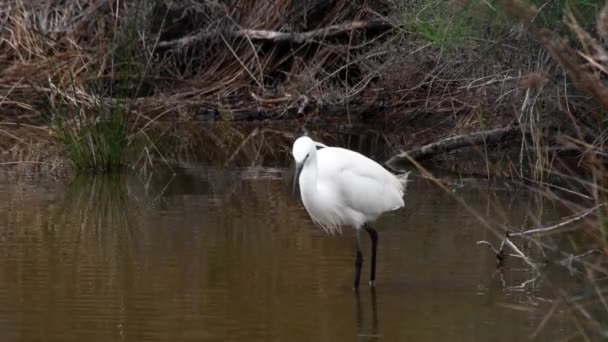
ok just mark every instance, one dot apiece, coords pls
pixel 404 179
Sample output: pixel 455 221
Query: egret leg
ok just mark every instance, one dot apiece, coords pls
pixel 374 311
pixel 358 259
pixel 359 313
pixel 373 234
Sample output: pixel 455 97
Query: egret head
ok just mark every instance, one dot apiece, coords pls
pixel 302 148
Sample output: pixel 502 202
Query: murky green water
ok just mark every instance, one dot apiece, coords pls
pixel 215 254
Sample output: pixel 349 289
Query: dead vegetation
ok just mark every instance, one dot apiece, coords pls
pixel 251 60
pixel 190 59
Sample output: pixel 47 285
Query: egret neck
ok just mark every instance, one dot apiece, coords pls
pixel 306 171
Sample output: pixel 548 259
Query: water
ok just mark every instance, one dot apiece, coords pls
pixel 228 255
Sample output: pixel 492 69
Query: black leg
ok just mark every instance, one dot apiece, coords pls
pixel 358 260
pixel 373 234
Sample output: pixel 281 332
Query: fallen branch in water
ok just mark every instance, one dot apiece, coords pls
pixel 500 252
pixel 492 136
pixel 544 230
pixel 527 234
pixel 281 37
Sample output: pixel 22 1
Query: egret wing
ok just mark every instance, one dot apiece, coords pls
pixel 363 184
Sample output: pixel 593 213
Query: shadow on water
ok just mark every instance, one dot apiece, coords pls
pixel 228 254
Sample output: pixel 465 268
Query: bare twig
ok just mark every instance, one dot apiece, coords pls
pixel 496 251
pixel 527 260
pixel 522 286
pixel 500 252
pixel 280 37
pixel 544 230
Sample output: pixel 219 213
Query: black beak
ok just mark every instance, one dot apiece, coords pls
pixel 296 177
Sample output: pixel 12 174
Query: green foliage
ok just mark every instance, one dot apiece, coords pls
pixel 449 25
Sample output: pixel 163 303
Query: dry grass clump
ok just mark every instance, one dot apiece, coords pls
pixel 186 58
pixel 27 151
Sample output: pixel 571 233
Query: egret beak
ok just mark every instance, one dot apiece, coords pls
pixel 296 177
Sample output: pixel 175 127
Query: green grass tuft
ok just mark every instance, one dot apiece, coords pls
pixel 97 132
pixel 96 140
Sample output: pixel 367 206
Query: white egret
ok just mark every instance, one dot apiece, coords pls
pixel 340 187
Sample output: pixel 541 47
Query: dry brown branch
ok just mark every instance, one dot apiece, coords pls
pixel 550 229
pixel 277 36
pixel 492 136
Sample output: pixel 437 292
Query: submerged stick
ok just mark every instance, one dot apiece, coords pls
pixel 500 252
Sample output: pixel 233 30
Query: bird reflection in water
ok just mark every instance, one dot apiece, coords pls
pixel 364 331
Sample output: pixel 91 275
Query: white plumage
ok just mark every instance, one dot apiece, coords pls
pixel 340 187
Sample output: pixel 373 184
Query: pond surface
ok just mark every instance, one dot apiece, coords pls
pixel 215 254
